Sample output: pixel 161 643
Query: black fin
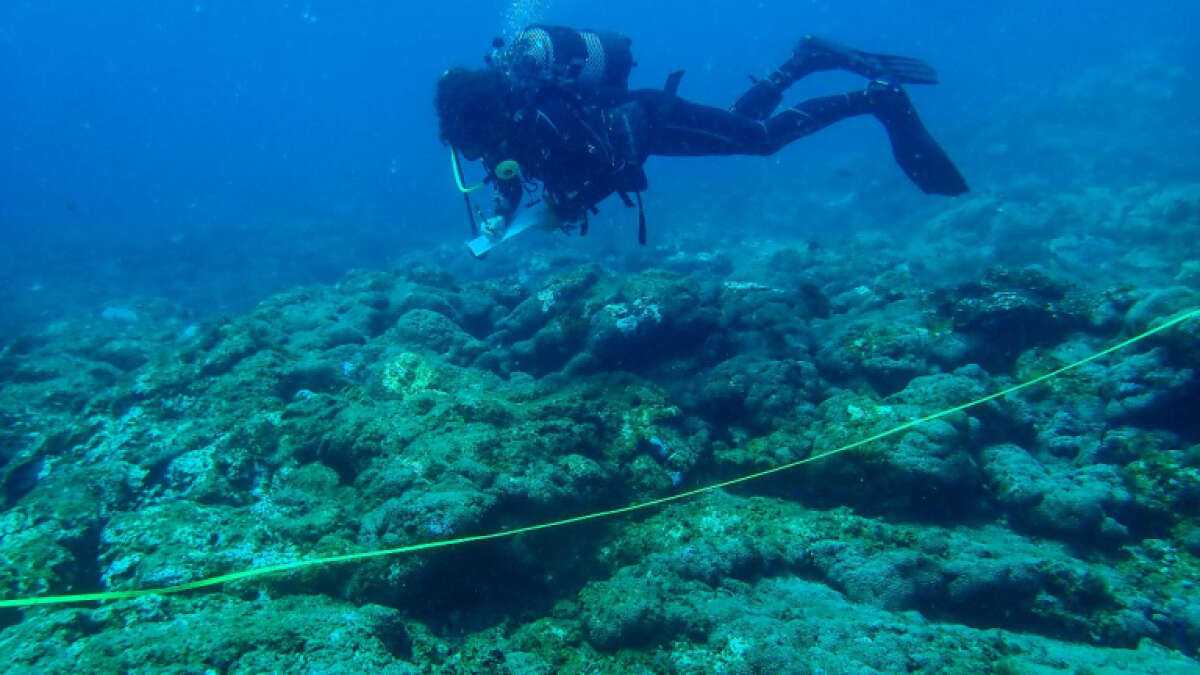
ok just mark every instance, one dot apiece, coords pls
pixel 816 53
pixel 915 150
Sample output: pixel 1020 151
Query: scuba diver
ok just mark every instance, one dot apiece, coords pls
pixel 555 124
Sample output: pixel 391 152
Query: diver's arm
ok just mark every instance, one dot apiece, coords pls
pixel 506 200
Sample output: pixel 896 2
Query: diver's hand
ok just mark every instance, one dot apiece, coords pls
pixel 494 228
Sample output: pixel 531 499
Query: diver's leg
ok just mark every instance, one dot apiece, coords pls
pixel 915 150
pixel 761 99
pixel 810 116
pixel 679 127
pixel 813 54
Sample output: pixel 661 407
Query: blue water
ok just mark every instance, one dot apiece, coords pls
pixel 212 152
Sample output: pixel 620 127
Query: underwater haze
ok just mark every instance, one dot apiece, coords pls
pixel 212 152
pixel 262 411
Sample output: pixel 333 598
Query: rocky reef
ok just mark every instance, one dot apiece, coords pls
pixel 141 448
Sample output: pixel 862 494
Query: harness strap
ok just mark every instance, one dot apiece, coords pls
pixel 641 220
pixel 641 213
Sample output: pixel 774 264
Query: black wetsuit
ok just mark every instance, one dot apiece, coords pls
pixel 583 151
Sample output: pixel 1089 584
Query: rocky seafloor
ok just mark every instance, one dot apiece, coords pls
pixel 1052 530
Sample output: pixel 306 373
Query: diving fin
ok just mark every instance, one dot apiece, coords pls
pixel 814 53
pixel 915 150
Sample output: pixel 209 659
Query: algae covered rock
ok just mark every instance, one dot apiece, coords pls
pixel 1010 310
pixel 655 316
pixel 926 469
pixel 631 610
pixel 886 351
pixel 264 635
pixel 534 401
pixel 422 328
pixel 1073 504
pixel 554 297
pixel 760 395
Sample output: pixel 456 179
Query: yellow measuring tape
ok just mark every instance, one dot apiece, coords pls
pixel 446 543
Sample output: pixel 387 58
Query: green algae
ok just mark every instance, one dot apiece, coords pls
pixel 408 375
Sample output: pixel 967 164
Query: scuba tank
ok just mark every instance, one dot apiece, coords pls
pixel 586 60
